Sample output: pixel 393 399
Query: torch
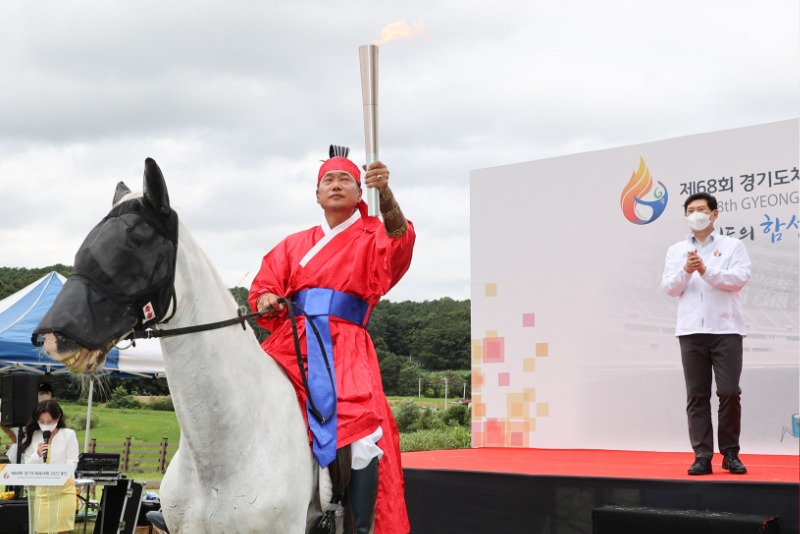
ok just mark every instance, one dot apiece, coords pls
pixel 368 58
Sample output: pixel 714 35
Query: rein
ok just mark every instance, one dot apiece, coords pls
pixel 240 318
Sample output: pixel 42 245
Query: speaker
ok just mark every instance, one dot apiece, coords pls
pixel 14 517
pixel 19 398
pixel 119 508
pixel 630 520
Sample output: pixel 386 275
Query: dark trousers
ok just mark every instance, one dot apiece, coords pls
pixel 702 355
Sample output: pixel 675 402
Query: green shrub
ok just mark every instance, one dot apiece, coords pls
pixel 432 440
pixel 78 421
pixel 163 404
pixel 428 420
pixel 121 399
pixel 411 417
pixel 456 415
pixel 406 413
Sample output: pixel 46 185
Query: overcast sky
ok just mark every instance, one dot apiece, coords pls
pixel 238 101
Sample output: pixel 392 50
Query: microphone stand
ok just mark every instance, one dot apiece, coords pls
pixel 18 489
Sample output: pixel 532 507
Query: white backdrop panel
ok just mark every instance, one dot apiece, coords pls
pixel 573 340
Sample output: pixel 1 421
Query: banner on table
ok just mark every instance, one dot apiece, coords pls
pixel 36 474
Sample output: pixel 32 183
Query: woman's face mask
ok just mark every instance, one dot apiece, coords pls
pixel 50 427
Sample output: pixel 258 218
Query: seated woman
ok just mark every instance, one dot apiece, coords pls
pixel 54 506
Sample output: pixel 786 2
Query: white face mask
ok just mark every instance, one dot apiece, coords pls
pixel 698 221
pixel 48 427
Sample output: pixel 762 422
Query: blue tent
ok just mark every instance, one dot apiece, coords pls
pixel 22 311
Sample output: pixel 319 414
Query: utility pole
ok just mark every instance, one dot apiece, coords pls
pixel 445 393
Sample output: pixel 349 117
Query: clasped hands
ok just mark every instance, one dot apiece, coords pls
pixel 694 263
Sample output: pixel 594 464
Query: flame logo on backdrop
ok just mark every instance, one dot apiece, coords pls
pixel 632 201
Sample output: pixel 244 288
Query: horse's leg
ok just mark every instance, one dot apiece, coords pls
pixel 179 490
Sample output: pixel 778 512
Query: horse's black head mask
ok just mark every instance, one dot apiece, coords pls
pixel 124 270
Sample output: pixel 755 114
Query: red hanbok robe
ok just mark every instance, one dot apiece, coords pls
pixel 365 262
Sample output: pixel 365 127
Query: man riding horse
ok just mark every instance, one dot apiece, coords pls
pixel 337 272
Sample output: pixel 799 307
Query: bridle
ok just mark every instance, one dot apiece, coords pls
pixel 240 318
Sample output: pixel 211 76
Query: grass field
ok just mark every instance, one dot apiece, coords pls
pixel 150 426
pixel 437 404
pixel 114 425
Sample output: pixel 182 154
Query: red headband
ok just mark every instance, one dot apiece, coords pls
pixel 340 164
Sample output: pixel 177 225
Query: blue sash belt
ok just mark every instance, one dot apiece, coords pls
pixel 319 304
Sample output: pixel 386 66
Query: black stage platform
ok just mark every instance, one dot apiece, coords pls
pixel 442 501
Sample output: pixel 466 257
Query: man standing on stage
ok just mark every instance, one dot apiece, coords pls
pixel 707 272
pixel 337 272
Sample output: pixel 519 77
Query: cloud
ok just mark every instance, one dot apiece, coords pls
pixel 238 102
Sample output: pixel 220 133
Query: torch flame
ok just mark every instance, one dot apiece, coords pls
pixel 400 30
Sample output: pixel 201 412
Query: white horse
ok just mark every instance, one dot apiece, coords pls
pixel 244 464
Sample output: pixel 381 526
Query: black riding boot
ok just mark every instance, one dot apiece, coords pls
pixel 362 493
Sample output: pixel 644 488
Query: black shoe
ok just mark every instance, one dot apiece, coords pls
pixel 701 466
pixel 732 463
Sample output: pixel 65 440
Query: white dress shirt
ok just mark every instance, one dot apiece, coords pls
pixel 711 303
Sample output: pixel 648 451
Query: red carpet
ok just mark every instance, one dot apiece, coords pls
pixel 601 463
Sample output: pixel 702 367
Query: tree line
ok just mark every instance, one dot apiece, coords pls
pixel 423 347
